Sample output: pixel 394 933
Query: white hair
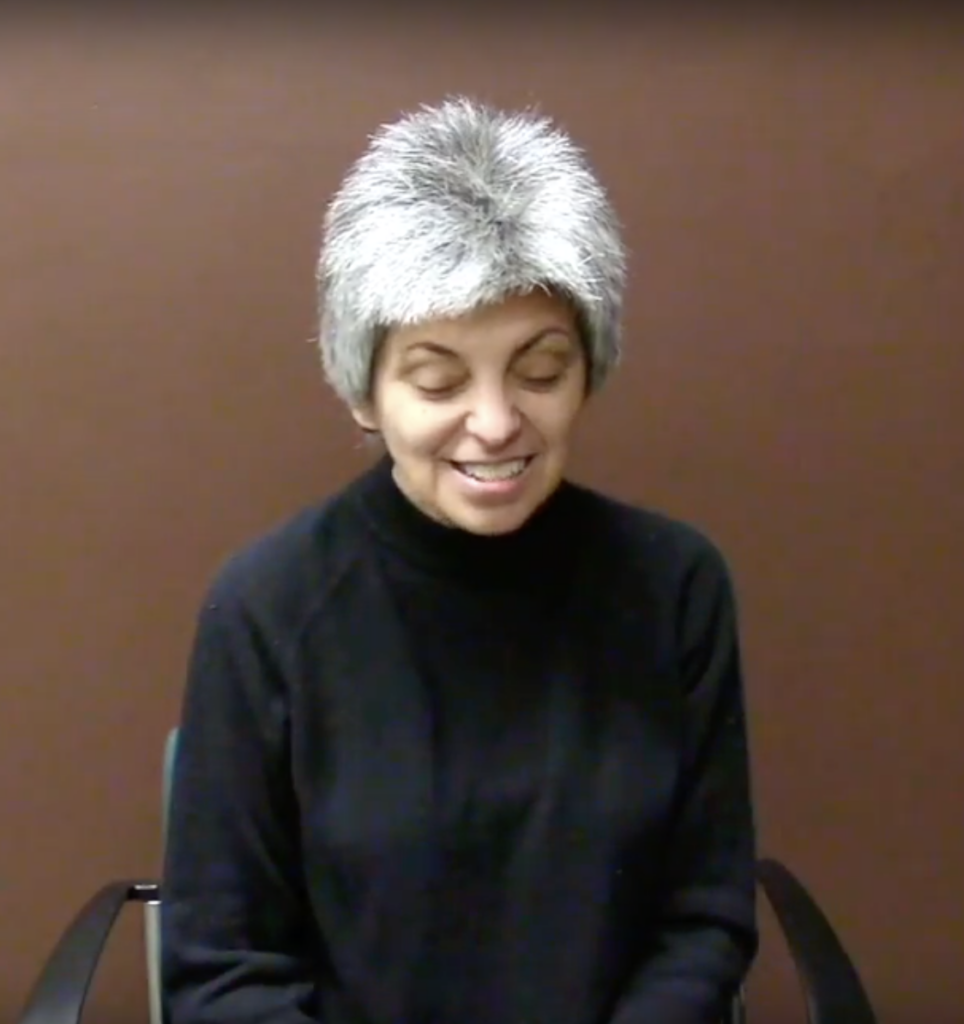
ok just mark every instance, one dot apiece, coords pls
pixel 457 206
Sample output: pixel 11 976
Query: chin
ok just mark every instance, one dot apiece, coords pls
pixel 490 522
pixel 494 526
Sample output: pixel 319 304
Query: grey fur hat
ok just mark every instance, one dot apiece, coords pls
pixel 455 206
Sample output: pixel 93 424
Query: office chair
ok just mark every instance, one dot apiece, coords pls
pixel 831 986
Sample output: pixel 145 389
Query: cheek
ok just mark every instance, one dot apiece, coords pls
pixel 415 429
pixel 555 419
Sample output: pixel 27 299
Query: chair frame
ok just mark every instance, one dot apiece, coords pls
pixel 831 986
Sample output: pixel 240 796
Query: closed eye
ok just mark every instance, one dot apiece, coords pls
pixel 544 382
pixel 439 391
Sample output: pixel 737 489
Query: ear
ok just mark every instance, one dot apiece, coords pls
pixel 364 416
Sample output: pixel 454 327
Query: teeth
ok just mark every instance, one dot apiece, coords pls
pixel 493 470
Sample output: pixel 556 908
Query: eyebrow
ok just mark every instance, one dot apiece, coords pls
pixel 429 346
pixel 440 350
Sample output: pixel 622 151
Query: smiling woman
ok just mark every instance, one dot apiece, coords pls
pixel 465 744
pixel 477 410
pixel 472 280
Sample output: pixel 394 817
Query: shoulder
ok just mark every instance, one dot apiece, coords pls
pixel 672 572
pixel 648 544
pixel 282 574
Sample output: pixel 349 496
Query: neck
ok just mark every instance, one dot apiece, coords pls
pixel 536 551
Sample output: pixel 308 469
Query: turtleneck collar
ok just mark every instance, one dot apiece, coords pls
pixel 537 553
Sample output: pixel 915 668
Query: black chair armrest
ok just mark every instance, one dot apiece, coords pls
pixel 831 986
pixel 60 991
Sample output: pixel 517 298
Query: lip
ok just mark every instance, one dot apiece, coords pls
pixel 493 490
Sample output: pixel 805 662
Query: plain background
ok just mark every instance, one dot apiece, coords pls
pixel 793 383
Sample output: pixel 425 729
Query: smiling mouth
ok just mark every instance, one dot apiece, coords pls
pixel 494 472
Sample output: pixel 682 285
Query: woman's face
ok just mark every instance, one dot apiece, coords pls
pixel 477 411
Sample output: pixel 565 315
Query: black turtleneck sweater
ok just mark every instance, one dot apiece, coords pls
pixel 427 777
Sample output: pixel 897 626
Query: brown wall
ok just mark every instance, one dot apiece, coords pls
pixel 794 383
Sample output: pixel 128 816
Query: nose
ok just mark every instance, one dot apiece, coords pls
pixel 493 418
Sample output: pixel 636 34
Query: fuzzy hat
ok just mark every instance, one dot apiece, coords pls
pixel 456 206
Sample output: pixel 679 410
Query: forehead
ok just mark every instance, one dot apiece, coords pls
pixel 505 325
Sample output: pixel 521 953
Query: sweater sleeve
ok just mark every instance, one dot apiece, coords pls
pixel 706 937
pixel 237 942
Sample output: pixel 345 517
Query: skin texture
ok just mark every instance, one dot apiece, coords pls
pixel 501 382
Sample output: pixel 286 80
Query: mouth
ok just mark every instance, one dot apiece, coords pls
pixel 494 472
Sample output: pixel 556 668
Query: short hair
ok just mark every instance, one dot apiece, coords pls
pixel 456 206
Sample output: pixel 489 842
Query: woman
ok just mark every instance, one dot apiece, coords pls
pixel 466 743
